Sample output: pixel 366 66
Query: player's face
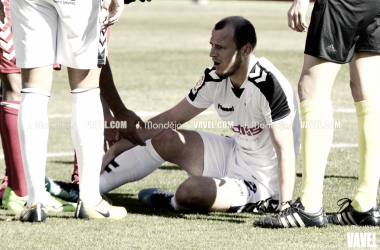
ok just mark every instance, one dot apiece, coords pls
pixel 227 59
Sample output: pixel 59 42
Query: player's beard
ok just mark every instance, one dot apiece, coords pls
pixel 234 67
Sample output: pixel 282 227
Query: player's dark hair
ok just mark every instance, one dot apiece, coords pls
pixel 244 30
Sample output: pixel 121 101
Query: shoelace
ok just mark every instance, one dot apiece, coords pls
pixel 343 201
pixel 286 209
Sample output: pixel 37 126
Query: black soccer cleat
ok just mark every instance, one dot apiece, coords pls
pixel 156 197
pixel 35 213
pixel 264 206
pixel 350 216
pixel 62 190
pixel 294 216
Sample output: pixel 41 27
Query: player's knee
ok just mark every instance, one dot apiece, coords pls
pixel 166 144
pixel 187 194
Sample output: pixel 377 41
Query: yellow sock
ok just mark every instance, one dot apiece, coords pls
pixel 369 154
pixel 316 143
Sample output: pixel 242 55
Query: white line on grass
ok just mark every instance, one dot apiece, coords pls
pixel 144 113
pixel 50 155
pixel 139 113
pixel 63 154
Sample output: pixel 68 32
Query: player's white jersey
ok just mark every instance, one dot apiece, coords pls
pixel 265 98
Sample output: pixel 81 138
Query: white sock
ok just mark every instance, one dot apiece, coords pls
pixel 131 165
pixel 87 134
pixel 177 207
pixel 33 129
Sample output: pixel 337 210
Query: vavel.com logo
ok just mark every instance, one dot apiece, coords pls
pixel 362 239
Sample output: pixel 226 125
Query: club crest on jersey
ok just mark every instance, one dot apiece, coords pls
pixel 198 85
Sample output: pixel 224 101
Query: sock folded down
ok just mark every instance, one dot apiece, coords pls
pixel 131 165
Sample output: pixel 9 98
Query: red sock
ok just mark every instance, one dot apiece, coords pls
pixel 4 142
pixel 6 157
pixel 17 180
pixel 75 175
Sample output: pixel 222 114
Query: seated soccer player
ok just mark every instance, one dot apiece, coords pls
pixel 240 173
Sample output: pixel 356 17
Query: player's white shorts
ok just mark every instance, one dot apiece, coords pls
pixel 221 161
pixel 63 31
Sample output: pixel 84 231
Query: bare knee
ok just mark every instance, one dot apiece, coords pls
pixel 187 194
pixel 11 86
pixel 167 144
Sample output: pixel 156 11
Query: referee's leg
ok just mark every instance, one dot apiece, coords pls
pixel 365 87
pixel 314 89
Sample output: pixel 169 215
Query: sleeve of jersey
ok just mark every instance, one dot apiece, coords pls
pixel 200 96
pixel 276 101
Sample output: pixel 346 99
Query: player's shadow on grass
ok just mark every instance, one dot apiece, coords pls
pixel 171 167
pixel 134 206
pixel 63 162
pixel 334 176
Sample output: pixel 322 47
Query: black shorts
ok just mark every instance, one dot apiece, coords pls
pixel 339 28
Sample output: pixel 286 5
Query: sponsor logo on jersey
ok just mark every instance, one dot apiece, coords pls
pixel 225 109
pixel 246 130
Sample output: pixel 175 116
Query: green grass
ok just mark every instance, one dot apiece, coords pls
pixel 158 52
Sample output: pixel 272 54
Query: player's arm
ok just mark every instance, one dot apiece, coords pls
pixel 121 113
pixel 282 139
pixel 179 114
pixel 297 14
pixel 111 136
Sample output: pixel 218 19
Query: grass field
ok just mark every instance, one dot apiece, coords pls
pixel 158 52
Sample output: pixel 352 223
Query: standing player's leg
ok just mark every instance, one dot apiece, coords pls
pixel 33 129
pixel 365 88
pixel 87 132
pixel 314 89
pixel 33 135
pixel 17 191
pixel 10 103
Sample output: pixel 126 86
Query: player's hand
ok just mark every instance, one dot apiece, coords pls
pixel 130 133
pixel 297 14
pixel 2 12
pixel 111 135
pixel 113 8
